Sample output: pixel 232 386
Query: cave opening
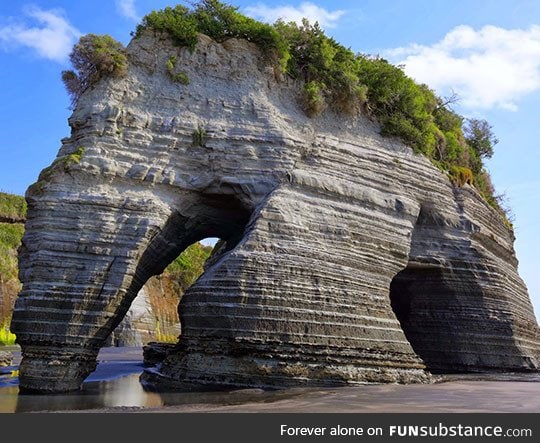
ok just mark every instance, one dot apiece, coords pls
pixel 447 319
pixel 424 304
pixel 447 303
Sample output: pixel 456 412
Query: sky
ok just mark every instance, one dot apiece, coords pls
pixel 486 51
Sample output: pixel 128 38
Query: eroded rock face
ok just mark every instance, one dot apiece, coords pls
pixel 154 353
pixel 6 358
pixel 328 227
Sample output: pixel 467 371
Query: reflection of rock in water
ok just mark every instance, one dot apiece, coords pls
pixel 120 392
pixel 128 392
pixel 518 393
pixel 63 402
pixel 463 393
pixel 8 399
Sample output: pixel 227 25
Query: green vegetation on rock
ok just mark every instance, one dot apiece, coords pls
pixel 12 206
pixel 336 78
pixel 68 160
pixel 93 57
pixel 216 20
pixel 178 77
pixel 63 163
pixel 6 336
pixel 330 71
pixel 199 136
pixel 314 102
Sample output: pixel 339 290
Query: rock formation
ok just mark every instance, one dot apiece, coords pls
pixel 6 358
pixel 348 258
pixel 154 353
pixel 138 326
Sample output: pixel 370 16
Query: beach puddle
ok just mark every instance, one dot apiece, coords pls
pixel 121 392
pixel 115 385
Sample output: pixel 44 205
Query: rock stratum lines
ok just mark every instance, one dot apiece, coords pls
pixel 347 257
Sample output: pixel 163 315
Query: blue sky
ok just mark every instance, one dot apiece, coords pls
pixel 486 51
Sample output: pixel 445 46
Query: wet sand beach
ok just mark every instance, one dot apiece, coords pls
pixel 115 387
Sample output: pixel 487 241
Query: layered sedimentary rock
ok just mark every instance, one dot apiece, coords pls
pixel 348 258
pixel 141 323
pixel 154 353
pixel 6 358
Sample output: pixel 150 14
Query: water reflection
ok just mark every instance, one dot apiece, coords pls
pixel 124 392
pixel 8 398
pixel 127 392
pixel 115 384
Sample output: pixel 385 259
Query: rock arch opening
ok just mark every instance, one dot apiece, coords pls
pixel 166 291
pixel 167 268
pixel 153 315
pixel 449 304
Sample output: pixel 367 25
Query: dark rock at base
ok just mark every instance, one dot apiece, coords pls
pixel 155 352
pixel 6 358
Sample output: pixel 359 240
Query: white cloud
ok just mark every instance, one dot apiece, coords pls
pixel 489 68
pixel 51 35
pixel 127 9
pixel 314 13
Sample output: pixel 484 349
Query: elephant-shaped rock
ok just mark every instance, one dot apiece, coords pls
pixel 347 258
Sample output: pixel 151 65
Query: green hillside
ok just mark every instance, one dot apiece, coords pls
pixel 12 215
